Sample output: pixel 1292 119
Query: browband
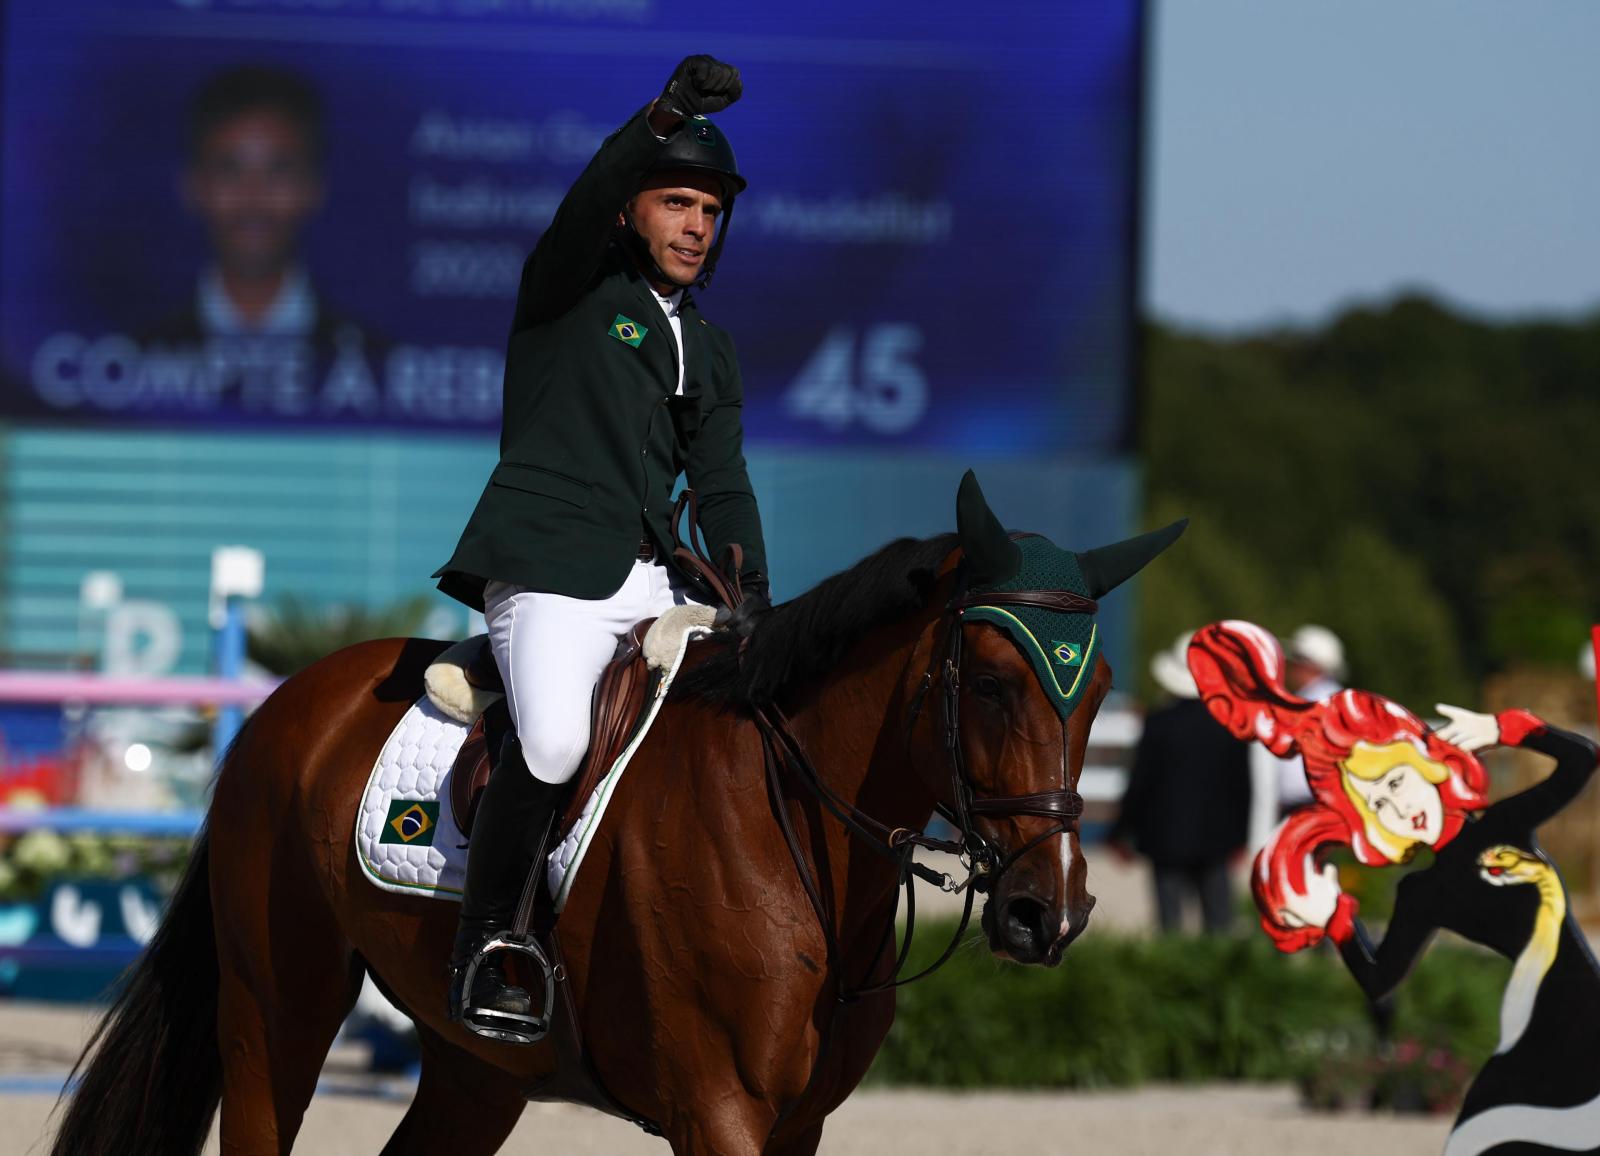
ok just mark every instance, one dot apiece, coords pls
pixel 1064 601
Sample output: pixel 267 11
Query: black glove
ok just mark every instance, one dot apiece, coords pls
pixel 701 84
pixel 744 618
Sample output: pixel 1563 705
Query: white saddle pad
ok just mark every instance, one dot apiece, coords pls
pixel 406 838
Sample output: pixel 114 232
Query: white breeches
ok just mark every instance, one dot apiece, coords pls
pixel 551 651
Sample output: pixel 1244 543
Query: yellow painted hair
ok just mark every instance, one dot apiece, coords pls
pixel 1369 763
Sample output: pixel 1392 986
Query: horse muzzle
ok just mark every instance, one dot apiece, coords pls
pixel 1028 929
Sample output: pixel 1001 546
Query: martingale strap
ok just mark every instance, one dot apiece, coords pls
pixel 782 749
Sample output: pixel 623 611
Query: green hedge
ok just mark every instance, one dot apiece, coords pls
pixel 1120 1011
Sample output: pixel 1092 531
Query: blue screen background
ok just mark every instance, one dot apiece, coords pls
pixel 936 247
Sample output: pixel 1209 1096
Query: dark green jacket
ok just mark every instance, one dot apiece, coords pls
pixel 593 438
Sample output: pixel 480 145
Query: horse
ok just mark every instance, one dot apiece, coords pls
pixel 715 1002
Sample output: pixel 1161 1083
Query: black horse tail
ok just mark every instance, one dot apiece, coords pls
pixel 150 1080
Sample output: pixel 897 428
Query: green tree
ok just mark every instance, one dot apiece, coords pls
pixel 295 632
pixel 1420 481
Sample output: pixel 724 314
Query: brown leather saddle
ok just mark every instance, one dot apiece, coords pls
pixel 619 701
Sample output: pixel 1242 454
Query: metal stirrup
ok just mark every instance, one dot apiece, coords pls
pixel 509 1027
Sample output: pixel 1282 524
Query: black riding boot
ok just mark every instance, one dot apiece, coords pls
pixel 508 836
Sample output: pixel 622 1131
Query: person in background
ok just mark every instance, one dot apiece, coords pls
pixel 1187 802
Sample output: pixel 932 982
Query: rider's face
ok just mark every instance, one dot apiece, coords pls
pixel 254 182
pixel 1405 803
pixel 676 214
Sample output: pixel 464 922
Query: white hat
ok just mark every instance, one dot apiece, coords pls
pixel 1170 668
pixel 1320 647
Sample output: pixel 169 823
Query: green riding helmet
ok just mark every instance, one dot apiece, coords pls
pixel 697 144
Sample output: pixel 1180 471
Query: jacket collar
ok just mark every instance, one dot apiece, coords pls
pixel 663 354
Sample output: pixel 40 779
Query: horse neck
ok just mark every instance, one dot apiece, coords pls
pixel 854 728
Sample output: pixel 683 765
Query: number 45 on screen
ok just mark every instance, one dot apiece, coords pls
pixel 876 383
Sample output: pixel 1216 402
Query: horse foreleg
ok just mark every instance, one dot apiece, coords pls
pixel 462 1106
pixel 732 1125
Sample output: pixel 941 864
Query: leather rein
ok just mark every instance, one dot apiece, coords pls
pixel 783 750
pixel 984 862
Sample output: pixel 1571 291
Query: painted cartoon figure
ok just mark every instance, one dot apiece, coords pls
pixel 1386 785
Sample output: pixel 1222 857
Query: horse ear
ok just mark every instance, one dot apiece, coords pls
pixel 990 553
pixel 1107 567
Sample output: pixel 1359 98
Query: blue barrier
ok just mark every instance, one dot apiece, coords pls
pixel 162 823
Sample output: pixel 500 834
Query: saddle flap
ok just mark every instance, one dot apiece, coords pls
pixel 469 775
pixel 619 700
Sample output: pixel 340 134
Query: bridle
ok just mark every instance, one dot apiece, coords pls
pixel 782 750
pixel 984 862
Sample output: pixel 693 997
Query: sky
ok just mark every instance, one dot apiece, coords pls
pixel 1307 154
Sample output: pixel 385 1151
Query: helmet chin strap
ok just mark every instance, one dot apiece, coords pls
pixel 640 250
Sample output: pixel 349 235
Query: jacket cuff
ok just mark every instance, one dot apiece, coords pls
pixel 1516 726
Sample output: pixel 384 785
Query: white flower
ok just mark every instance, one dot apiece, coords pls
pixel 43 852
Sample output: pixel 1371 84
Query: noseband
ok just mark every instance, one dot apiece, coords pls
pixel 985 864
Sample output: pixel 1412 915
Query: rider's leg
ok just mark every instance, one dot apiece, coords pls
pixel 551 651
pixel 514 818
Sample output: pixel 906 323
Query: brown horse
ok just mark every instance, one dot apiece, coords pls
pixel 706 987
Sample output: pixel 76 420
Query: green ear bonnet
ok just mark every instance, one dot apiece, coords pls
pixel 1061 644
pixel 1062 647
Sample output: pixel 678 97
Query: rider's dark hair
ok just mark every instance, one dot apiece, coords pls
pixel 803 638
pixel 251 88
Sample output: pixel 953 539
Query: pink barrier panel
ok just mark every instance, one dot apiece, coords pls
pixel 29 686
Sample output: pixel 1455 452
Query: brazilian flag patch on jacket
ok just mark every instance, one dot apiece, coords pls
pixel 628 331
pixel 412 822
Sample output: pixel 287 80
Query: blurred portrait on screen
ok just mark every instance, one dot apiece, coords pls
pixel 252 179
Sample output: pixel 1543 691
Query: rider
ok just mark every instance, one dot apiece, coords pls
pixel 614 384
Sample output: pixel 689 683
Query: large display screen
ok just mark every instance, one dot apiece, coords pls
pixel 313 213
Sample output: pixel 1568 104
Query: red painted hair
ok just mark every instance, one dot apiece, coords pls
pixel 1239 669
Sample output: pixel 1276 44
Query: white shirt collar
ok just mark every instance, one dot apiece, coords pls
pixel 670 303
pixel 293 312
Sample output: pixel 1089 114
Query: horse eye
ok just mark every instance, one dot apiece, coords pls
pixel 987 685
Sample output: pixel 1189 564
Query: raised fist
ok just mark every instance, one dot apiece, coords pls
pixel 701 84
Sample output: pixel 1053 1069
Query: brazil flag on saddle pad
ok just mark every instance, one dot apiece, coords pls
pixel 1062 645
pixel 411 821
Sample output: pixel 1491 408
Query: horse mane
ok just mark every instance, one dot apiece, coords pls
pixel 804 637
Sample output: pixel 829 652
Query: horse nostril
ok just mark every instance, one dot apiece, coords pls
pixel 1024 922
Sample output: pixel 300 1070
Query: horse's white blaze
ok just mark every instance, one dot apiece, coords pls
pixel 1066 870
